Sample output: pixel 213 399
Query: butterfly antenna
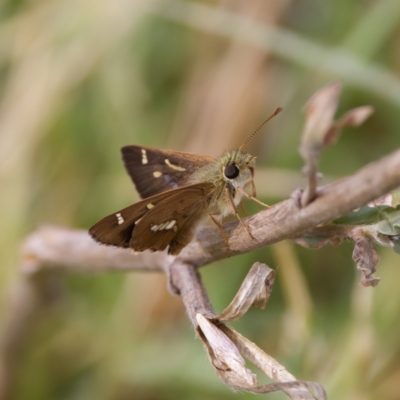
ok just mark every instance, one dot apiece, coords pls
pixel 276 112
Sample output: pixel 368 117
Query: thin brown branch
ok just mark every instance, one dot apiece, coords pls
pixel 61 249
pixel 312 181
pixel 186 279
pixel 287 219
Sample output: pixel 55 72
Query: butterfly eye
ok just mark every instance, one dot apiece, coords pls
pixel 231 171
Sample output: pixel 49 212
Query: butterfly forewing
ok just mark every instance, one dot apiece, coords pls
pixel 156 222
pixel 155 171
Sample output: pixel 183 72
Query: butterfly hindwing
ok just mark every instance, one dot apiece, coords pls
pixel 116 229
pixel 172 221
pixel 155 171
pixel 156 222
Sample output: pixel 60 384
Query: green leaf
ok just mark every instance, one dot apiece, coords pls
pixel 386 218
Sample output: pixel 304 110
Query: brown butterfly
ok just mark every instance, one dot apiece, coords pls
pixel 179 191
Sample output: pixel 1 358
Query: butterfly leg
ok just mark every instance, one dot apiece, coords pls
pixel 252 197
pixel 236 212
pixel 222 232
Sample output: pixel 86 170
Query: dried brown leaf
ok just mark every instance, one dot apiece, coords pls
pixel 296 390
pixel 224 347
pixel 351 118
pixel 224 355
pixel 255 290
pixel 355 116
pixel 319 110
pixel 366 257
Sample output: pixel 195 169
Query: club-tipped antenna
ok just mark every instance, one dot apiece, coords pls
pixel 276 112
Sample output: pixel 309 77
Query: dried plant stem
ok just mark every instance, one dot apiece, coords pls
pixel 312 178
pixel 53 248
pixel 186 279
pixel 288 219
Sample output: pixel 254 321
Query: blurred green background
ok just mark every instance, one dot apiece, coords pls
pixel 80 79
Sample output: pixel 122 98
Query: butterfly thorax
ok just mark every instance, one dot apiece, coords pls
pixel 231 171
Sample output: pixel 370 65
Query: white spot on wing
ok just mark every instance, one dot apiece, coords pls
pixel 157 174
pixel 162 226
pixel 170 224
pixel 154 228
pixel 176 167
pixel 119 218
pixel 144 157
pixel 165 226
pixel 150 206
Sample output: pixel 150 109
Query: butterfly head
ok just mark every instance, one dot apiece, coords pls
pixel 237 168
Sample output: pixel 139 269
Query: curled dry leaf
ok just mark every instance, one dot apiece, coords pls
pixel 296 390
pixel 366 257
pixel 319 110
pixel 351 118
pixel 224 355
pixel 225 346
pixel 255 290
pixel 321 130
pixel 355 116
